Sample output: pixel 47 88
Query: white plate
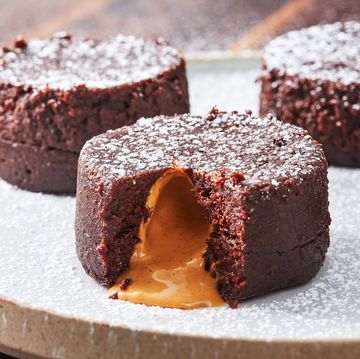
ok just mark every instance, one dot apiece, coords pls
pixel 40 270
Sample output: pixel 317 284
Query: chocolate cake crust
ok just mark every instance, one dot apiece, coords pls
pixel 311 78
pixel 29 167
pixel 55 94
pixel 262 183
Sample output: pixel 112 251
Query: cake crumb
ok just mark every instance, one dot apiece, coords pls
pixel 20 43
pixel 114 296
pixel 126 284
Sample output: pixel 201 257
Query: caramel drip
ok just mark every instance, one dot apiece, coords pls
pixel 167 268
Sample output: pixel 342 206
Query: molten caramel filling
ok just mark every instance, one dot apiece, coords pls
pixel 167 268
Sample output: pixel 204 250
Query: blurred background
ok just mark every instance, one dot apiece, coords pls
pixel 192 25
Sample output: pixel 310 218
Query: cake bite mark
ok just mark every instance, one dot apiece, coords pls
pixel 167 268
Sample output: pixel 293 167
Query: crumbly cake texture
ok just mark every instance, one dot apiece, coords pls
pixel 55 94
pixel 262 183
pixel 311 78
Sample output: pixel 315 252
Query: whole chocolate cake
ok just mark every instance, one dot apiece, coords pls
pixel 55 94
pixel 257 188
pixel 311 78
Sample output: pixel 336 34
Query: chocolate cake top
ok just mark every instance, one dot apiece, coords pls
pixel 222 144
pixel 325 52
pixel 63 62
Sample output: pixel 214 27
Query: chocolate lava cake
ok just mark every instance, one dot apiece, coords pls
pixel 56 94
pixel 311 78
pixel 261 183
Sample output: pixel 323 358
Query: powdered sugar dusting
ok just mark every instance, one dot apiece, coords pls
pixel 326 52
pixel 264 150
pixel 63 63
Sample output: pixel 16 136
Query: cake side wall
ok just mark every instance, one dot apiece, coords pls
pixel 329 111
pixel 38 170
pixel 89 226
pixel 287 233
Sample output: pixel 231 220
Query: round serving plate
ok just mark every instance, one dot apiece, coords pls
pixel 50 309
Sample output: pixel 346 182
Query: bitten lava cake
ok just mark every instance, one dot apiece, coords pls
pixel 56 94
pixel 311 78
pixel 190 211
